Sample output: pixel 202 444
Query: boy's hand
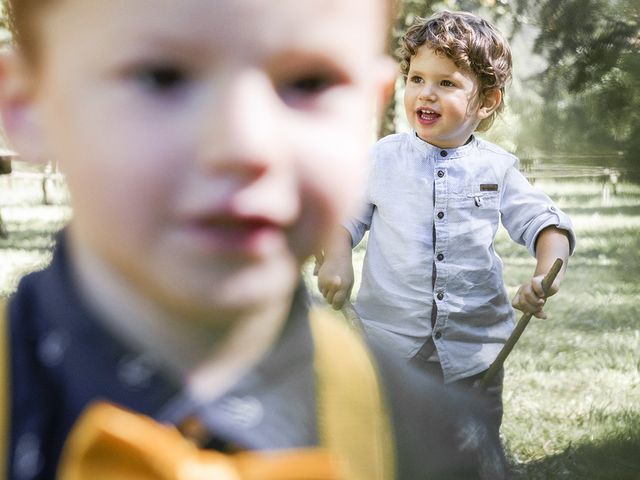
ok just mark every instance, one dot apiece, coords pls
pixel 552 243
pixel 334 268
pixel 530 297
pixel 335 281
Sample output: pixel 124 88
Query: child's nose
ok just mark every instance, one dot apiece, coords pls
pixel 243 128
pixel 427 92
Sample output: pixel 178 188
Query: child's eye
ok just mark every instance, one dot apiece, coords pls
pixel 447 83
pixel 416 79
pixel 311 84
pixel 161 79
pixel 299 90
pixel 308 85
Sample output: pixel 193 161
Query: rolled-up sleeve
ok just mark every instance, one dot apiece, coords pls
pixel 526 211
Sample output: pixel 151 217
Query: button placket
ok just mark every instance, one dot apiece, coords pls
pixel 439 205
pixel 441 238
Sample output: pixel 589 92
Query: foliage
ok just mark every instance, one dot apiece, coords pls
pixel 590 87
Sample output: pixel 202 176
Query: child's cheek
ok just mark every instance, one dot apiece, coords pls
pixel 339 174
pixel 329 193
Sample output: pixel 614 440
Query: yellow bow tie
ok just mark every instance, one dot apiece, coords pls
pixel 109 443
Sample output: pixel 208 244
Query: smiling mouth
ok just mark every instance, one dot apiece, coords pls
pixel 427 114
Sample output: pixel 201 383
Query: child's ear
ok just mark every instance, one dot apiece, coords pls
pixel 18 108
pixel 387 73
pixel 490 102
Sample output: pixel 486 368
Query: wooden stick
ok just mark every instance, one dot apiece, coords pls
pixel 547 281
pixel 352 317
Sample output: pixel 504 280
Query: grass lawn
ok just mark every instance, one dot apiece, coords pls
pixel 572 389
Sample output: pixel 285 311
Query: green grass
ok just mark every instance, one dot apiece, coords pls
pixel 572 389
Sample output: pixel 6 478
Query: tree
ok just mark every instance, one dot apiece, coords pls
pixel 590 89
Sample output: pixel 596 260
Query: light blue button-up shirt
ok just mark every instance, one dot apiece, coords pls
pixel 437 210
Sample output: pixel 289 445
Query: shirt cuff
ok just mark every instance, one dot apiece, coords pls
pixel 555 218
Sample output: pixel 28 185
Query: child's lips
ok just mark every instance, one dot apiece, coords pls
pixel 427 116
pixel 236 236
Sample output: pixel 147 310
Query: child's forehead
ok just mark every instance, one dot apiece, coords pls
pixel 255 16
pixel 247 24
pixel 427 56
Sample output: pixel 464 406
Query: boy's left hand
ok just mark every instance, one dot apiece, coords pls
pixel 530 297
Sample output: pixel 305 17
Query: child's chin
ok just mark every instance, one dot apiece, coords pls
pixel 257 287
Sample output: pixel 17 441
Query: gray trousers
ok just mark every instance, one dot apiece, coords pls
pixel 491 396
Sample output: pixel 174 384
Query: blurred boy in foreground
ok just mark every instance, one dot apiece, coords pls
pixel 209 148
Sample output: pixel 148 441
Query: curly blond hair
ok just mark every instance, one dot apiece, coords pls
pixel 471 42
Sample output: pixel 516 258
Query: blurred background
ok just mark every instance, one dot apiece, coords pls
pixel 572 389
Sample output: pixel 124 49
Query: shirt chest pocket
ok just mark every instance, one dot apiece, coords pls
pixel 478 196
pixel 474 214
pixel 484 195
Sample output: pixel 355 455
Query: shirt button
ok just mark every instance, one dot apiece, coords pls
pixel 28 460
pixel 440 173
pixel 438 335
pixel 440 257
pixel 52 349
pixel 135 372
pixel 440 296
pixel 443 153
pixel 441 215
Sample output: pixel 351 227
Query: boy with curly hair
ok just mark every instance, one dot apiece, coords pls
pixel 432 284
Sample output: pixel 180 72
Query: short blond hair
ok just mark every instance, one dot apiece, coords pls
pixel 471 42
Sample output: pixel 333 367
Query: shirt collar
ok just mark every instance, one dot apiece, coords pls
pixel 432 151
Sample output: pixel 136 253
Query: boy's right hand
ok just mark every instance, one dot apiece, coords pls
pixel 530 297
pixel 335 280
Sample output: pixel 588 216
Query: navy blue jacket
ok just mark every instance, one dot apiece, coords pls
pixel 62 359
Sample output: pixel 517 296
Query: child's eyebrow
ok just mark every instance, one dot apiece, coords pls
pixel 157 41
pixel 436 73
pixel 140 40
pixel 415 71
pixel 301 57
